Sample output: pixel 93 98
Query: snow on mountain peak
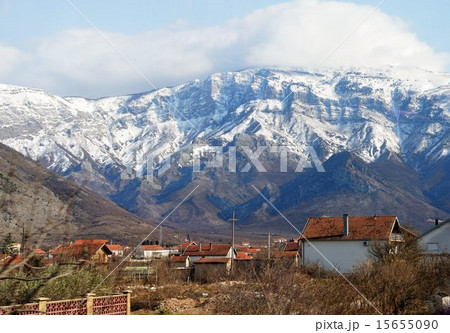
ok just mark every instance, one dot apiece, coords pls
pixel 366 111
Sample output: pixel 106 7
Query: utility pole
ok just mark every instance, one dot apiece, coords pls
pixel 160 235
pixel 233 220
pixel 22 246
pixel 268 245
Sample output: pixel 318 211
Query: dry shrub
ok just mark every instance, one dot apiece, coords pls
pixel 400 283
pixel 150 298
pixel 273 289
pixel 391 283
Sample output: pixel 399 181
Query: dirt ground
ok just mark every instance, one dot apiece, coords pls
pixel 188 298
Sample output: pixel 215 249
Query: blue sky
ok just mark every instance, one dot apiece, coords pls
pixel 39 38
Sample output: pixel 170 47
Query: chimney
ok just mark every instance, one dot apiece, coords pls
pixel 199 247
pixel 210 246
pixel 345 220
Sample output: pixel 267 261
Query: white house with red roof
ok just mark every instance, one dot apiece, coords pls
pixel 116 249
pixel 179 262
pixel 155 252
pixel 210 250
pixel 343 242
pixel 437 239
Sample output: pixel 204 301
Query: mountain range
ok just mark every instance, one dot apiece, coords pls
pixel 35 203
pixel 381 135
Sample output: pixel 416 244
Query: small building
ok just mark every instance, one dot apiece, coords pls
pixel 179 262
pixel 343 242
pixel 9 260
pixel 154 252
pixel 39 252
pixel 14 248
pixel 289 258
pixel 138 273
pixel 210 250
pixel 116 249
pixel 95 250
pixel 437 239
pixel 291 246
pixel 211 269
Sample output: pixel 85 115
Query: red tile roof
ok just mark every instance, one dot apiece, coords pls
pixel 212 261
pixel 47 261
pixel 208 250
pixel 243 256
pixel 178 258
pixel 291 246
pixel 38 251
pixel 283 255
pixel 360 227
pixel 11 260
pixel 115 247
pixel 82 248
pixel 151 247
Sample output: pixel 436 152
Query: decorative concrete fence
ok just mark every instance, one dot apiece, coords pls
pixel 91 305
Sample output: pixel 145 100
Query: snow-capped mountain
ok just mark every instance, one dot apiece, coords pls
pixel 370 113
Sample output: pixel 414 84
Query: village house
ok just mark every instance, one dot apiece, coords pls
pixel 343 242
pixel 116 249
pixel 181 268
pixel 154 252
pixel 437 239
pixel 289 258
pixel 95 250
pixel 179 262
pixel 246 250
pixel 291 246
pixel 210 250
pixel 212 268
pixel 14 248
pixel 252 251
pixel 50 253
pixel 39 253
pixel 9 260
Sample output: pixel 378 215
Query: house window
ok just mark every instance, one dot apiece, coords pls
pixel 432 247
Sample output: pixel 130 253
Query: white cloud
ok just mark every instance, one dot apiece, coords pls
pixel 299 33
pixel 10 58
